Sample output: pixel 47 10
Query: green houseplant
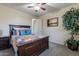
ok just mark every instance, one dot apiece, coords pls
pixel 71 23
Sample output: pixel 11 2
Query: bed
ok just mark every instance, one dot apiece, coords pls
pixel 25 43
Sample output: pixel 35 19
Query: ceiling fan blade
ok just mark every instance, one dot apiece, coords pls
pixel 30 6
pixel 43 8
pixel 43 3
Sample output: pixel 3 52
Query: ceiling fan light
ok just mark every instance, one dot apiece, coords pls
pixel 36 7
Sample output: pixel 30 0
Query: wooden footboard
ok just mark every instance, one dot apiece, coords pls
pixel 34 48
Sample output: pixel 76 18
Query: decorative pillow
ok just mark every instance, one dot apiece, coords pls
pixel 25 32
pixel 22 32
pixel 18 33
pixel 14 32
pixel 28 31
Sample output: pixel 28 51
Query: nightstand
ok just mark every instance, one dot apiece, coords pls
pixel 4 42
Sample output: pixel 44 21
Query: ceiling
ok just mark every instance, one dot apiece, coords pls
pixel 50 7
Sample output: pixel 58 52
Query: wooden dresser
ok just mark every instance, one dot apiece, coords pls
pixel 34 48
pixel 4 42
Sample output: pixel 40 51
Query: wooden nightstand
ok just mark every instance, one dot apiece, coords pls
pixel 4 42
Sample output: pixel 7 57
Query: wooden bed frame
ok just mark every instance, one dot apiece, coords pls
pixel 33 48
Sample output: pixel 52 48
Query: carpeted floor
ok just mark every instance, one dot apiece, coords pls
pixel 54 50
pixel 6 52
pixel 59 50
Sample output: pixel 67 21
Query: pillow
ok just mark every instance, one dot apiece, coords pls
pixel 18 33
pixel 25 32
pixel 28 31
pixel 14 32
pixel 21 28
pixel 22 32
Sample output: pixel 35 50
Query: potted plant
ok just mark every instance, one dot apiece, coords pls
pixel 78 42
pixel 72 44
pixel 71 23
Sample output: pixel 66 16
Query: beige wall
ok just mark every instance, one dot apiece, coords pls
pixel 57 34
pixel 12 16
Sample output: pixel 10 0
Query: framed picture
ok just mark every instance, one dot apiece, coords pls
pixel 52 22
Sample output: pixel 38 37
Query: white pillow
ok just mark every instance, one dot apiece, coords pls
pixel 21 28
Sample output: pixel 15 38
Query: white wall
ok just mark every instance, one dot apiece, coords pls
pixel 12 16
pixel 57 34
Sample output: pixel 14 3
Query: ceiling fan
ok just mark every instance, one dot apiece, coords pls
pixel 37 6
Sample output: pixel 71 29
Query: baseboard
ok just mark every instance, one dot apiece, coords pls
pixel 56 43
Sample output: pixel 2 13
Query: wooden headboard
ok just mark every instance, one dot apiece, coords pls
pixel 11 27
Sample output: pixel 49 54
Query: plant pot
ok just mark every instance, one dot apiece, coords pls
pixel 72 47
